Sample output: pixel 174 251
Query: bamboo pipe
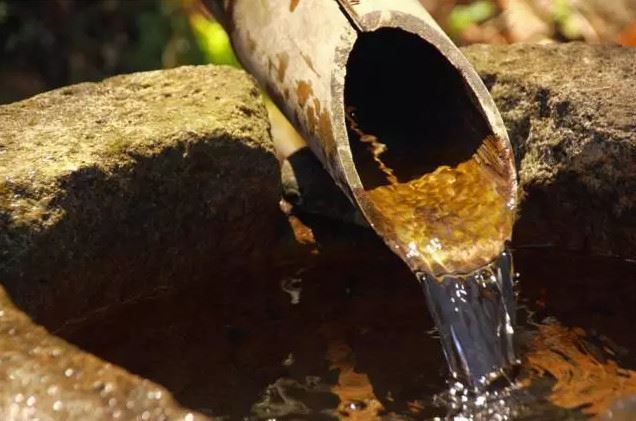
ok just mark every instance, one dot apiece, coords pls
pixel 392 64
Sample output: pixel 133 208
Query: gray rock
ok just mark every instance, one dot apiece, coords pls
pixel 570 110
pixel 116 189
pixel 113 191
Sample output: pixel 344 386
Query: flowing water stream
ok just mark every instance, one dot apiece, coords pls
pixel 451 225
pixel 475 316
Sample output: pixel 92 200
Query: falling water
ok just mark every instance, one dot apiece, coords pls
pixel 450 225
pixel 475 316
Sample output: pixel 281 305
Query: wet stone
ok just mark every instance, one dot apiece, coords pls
pixel 43 377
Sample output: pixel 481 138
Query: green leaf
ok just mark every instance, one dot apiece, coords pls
pixel 463 16
pixel 213 41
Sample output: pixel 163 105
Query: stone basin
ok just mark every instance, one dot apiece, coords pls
pixel 148 271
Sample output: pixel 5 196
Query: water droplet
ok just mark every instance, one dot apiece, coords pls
pixel 69 372
pixel 155 394
pixel 58 405
pixel 289 361
pixel 356 406
pixel 292 286
pixel 108 387
pixel 412 250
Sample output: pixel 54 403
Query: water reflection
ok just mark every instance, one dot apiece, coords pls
pixel 356 345
pixel 586 375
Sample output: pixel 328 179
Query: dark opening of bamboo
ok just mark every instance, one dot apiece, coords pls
pixel 408 95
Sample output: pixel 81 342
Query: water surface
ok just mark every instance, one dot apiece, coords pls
pixel 344 334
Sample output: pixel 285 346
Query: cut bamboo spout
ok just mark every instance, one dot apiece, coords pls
pixel 402 123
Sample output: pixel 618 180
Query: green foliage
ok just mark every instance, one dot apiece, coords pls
pixel 464 16
pixel 47 44
pixel 213 41
pixel 563 16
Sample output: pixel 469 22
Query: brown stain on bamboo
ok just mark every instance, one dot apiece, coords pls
pixel 318 118
pixel 319 123
pixel 281 68
pixel 293 4
pixel 303 91
pixel 325 130
pixel 312 119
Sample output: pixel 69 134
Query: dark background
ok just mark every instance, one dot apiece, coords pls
pixel 45 44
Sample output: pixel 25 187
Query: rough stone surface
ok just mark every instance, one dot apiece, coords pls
pixel 114 189
pixel 42 377
pixel 570 110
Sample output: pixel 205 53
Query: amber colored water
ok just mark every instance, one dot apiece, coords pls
pixel 454 219
pixel 451 220
pixel 586 375
pixel 340 333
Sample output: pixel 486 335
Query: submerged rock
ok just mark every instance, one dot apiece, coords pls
pixel 570 110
